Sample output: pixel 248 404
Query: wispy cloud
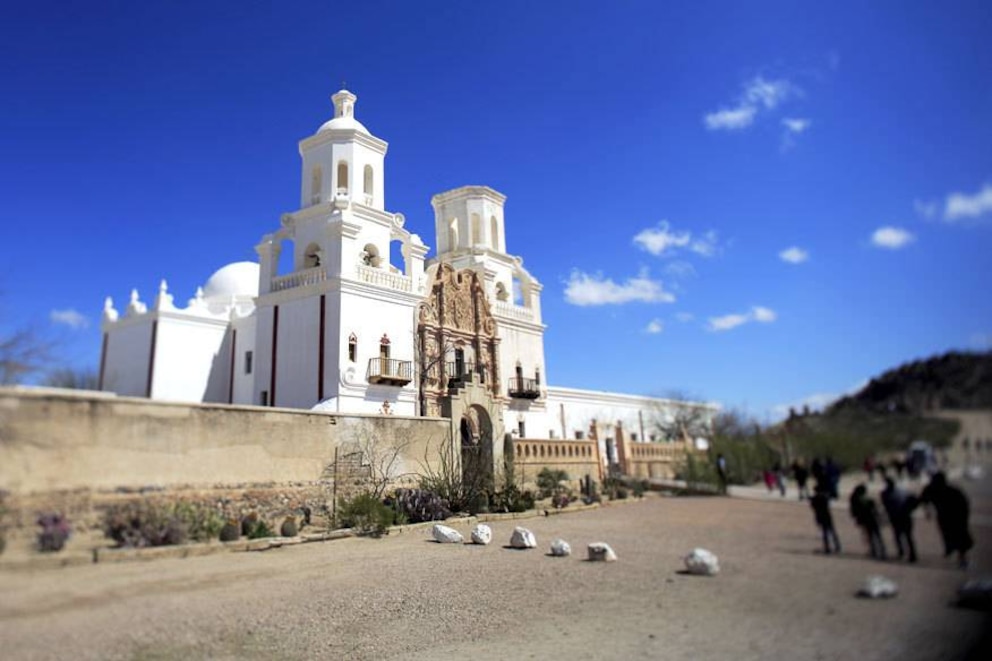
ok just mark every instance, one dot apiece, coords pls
pixel 684 317
pixel 584 289
pixel 815 402
pixel 961 207
pixel 891 238
pixel 793 127
pixel 758 95
pixel 654 327
pixel 69 317
pixel 663 240
pixel 794 255
pixel 727 322
pixel 680 269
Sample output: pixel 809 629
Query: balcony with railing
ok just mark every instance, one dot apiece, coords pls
pixel 384 278
pixel 300 278
pixel 512 311
pixel 390 372
pixel 461 372
pixel 521 388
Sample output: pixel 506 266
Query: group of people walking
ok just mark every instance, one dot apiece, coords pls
pixel 950 503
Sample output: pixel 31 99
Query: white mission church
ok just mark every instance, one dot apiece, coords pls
pixel 459 335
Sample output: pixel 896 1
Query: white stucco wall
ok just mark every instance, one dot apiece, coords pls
pixel 126 361
pixel 189 363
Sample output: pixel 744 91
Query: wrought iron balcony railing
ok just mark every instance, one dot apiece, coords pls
pixel 459 372
pixel 389 371
pixel 521 388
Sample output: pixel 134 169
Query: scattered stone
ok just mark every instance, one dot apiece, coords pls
pixel 446 535
pixel 523 539
pixel 702 562
pixel 878 587
pixel 977 594
pixel 601 552
pixel 482 534
pixel 560 548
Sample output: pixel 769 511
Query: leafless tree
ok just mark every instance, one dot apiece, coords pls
pixel 683 417
pixel 384 460
pixel 23 352
pixel 73 379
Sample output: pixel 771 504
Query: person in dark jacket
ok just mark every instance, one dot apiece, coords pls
pixel 820 502
pixel 952 516
pixel 865 513
pixel 899 507
pixel 801 474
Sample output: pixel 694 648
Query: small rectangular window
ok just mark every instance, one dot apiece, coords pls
pixel 521 430
pixel 248 357
pixel 579 435
pixel 265 398
pixel 352 351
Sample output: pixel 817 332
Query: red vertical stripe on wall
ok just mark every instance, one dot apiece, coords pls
pixel 234 358
pixel 151 359
pixel 275 344
pixel 320 350
pixel 103 361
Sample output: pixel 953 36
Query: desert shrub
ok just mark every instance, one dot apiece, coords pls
pixel 612 486
pixel 638 487
pixel 699 474
pixel 260 529
pixel 54 533
pixel 549 481
pixel 144 523
pixel 365 514
pixel 511 499
pixel 418 505
pixel 231 531
pixel 289 527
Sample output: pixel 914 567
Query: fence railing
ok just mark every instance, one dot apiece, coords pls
pixel 389 371
pixel 301 278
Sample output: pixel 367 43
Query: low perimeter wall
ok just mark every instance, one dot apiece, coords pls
pixel 60 440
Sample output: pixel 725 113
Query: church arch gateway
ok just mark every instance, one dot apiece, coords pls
pixel 458 367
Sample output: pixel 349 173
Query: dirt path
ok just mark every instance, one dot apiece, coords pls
pixel 407 597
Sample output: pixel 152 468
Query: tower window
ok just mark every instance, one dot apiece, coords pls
pixel 494 230
pixel 453 234
pixel 248 360
pixel 316 184
pixel 476 229
pixel 537 376
pixel 367 188
pixel 352 348
pixel 342 177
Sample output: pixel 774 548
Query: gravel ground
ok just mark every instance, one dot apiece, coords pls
pixel 407 597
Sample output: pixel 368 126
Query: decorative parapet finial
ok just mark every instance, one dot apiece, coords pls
pixel 164 299
pixel 135 306
pixel 110 315
pixel 344 103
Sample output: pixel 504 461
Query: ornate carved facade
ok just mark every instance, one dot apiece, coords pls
pixel 456 337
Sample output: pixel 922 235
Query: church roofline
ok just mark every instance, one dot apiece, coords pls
pixel 343 135
pixel 468 191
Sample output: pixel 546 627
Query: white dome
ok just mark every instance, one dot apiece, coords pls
pixel 237 279
pixel 343 124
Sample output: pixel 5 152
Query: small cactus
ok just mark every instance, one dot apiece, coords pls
pixel 231 531
pixel 289 528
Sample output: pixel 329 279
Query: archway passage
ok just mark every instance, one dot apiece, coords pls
pixel 476 431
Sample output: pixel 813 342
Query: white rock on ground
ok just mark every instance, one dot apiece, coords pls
pixel 560 548
pixel 446 535
pixel 601 552
pixel 878 587
pixel 523 539
pixel 702 563
pixel 482 534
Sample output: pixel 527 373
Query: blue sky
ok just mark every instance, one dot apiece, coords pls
pixel 756 203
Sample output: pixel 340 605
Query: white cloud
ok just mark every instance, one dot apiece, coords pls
pixel 69 317
pixel 763 315
pixel 654 327
pixel 727 322
pixel 706 245
pixel 759 94
pixel 816 401
pixel 926 210
pixel 684 317
pixel 891 238
pixel 659 239
pixel 584 289
pixel 962 206
pixel 794 255
pixel 663 239
pixel 796 124
pixel 730 119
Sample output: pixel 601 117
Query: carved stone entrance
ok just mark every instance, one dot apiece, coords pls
pixel 458 368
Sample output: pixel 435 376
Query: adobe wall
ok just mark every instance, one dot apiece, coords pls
pixel 62 440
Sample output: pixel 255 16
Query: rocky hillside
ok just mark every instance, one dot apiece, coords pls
pixel 955 380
